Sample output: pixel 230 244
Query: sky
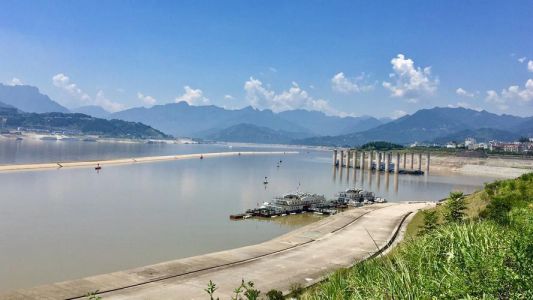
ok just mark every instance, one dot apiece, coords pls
pixel 346 58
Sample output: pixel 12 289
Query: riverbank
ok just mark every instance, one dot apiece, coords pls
pixel 135 160
pixel 303 257
pixel 503 167
pixel 486 238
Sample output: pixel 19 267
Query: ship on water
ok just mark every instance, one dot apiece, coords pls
pixel 289 203
pixel 295 203
pixel 357 197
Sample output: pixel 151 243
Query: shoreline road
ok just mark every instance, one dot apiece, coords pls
pixel 303 256
pixel 134 160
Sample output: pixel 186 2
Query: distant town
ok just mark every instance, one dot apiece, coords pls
pixel 522 146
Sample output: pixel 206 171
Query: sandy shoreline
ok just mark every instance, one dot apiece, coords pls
pixel 133 160
pixel 490 166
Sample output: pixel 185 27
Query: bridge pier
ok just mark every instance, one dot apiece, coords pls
pixel 427 163
pixel 397 163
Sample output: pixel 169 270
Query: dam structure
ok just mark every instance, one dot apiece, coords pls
pixel 384 161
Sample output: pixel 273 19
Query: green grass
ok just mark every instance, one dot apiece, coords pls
pixel 485 256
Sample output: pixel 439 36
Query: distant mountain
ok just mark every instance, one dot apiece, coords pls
pixel 321 124
pixel 250 133
pixel 93 110
pixel 525 128
pixel 80 123
pixel 425 125
pixel 181 119
pixel 29 99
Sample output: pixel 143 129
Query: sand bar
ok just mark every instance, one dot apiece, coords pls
pixel 133 160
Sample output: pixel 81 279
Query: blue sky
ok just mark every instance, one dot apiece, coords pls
pixel 380 58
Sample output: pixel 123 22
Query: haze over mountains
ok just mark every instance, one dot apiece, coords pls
pixel 436 124
pixel 439 124
pixel 182 119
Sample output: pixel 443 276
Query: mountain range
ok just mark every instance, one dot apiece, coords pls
pixel 182 119
pixel 435 125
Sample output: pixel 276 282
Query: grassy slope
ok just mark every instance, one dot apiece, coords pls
pixel 475 202
pixel 476 259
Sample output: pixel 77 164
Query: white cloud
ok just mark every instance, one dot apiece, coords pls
pixel 464 105
pixel 410 82
pixel 229 97
pixel 295 97
pixel 530 66
pixel 15 81
pixel 272 69
pixel 148 100
pixel 514 92
pixel 340 83
pixel 463 93
pixel 107 104
pixel 63 82
pixel 522 59
pixel 398 114
pixel 193 96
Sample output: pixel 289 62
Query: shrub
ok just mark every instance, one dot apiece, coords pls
pixel 430 221
pixel 274 295
pixel 455 207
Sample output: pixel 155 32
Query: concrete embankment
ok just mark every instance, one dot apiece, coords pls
pixel 303 256
pixel 135 160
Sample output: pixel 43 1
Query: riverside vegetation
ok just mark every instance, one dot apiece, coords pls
pixel 471 247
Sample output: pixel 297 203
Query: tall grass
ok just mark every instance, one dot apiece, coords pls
pixel 481 260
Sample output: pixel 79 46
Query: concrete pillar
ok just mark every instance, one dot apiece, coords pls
pixel 404 159
pixel 419 161
pixel 335 157
pixel 370 154
pixel 378 159
pixel 387 162
pixel 427 163
pixel 412 160
pixel 348 157
pixel 354 159
pixel 342 159
pixel 397 163
pixel 362 161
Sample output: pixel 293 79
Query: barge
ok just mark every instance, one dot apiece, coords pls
pixel 296 203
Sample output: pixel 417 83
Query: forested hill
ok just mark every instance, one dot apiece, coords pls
pixel 81 123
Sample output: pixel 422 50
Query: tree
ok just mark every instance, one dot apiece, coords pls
pixel 455 207
pixel 430 221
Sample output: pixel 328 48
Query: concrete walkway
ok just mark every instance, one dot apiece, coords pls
pixel 302 256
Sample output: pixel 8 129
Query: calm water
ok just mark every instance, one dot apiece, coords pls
pixel 64 224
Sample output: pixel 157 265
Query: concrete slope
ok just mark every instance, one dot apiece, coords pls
pixel 302 256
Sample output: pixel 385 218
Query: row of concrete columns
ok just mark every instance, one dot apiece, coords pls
pixel 377 157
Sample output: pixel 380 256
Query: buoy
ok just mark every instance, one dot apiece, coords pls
pixel 266 180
